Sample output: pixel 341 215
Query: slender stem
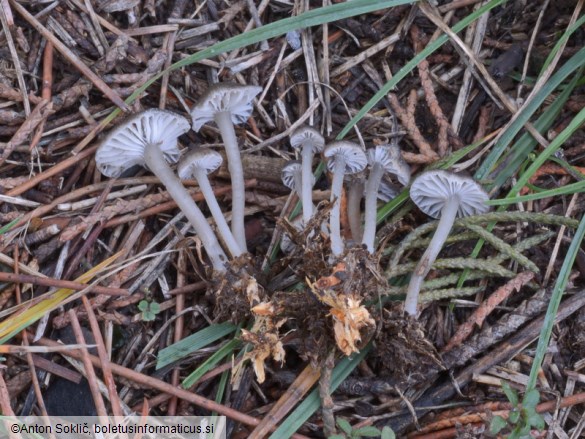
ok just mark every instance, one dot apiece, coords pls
pixel 298 178
pixel 336 188
pixel 448 214
pixel 156 162
pixel 372 187
pixel 222 225
pixel 228 134
pixel 354 198
pixel 307 182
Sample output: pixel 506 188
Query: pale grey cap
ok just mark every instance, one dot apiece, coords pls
pixel 290 170
pixel 124 146
pixel 306 135
pixel 391 159
pixel 431 190
pixel 354 155
pixel 205 159
pixel 225 97
pixel 387 191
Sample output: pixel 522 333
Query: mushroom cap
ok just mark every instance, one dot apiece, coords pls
pixel 387 191
pixel 289 170
pixel 432 189
pixel 306 135
pixel 355 157
pixel 224 97
pixel 124 146
pixel 391 159
pixel 200 158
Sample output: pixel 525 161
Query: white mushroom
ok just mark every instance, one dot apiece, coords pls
pixel 199 163
pixel 229 104
pixel 443 195
pixel 383 159
pixel 309 141
pixel 292 175
pixel 387 191
pixel 150 139
pixel 342 158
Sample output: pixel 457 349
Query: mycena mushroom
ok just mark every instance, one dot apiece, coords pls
pixel 443 195
pixel 149 139
pixel 229 104
pixel 199 163
pixel 383 159
pixel 309 141
pixel 342 158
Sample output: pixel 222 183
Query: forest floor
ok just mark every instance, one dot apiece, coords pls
pixel 304 342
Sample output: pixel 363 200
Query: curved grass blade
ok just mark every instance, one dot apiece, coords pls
pixel 574 63
pixel 18 322
pixel 554 303
pixel 312 402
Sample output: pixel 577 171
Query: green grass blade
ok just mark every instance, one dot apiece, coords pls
pixel 193 342
pixel 563 190
pixel 9 226
pixel 574 63
pixel 226 350
pixel 313 17
pixel 558 141
pixel 312 402
pixel 554 303
pixel 561 41
pixel 518 153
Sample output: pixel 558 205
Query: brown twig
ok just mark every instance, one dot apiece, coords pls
pixel 29 357
pixel 46 91
pixel 36 117
pixel 70 56
pixel 413 132
pixel 89 370
pixel 433 103
pixel 105 364
pixel 179 325
pixel 57 283
pixel 306 379
pixel 480 314
pixel 162 386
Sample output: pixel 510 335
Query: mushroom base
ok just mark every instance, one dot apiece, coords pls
pixel 237 291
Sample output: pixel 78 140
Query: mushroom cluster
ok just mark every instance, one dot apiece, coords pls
pixel 149 139
pixel 347 161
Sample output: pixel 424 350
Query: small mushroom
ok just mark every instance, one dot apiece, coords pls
pixel 309 141
pixel 356 190
pixel 387 191
pixel 443 195
pixel 291 176
pixel 229 104
pixel 149 139
pixel 383 159
pixel 343 158
pixel 199 163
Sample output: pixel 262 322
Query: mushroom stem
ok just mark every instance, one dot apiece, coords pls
pixel 228 134
pixel 222 225
pixel 354 197
pixel 372 187
pixel 336 189
pixel 155 160
pixel 448 214
pixel 307 182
